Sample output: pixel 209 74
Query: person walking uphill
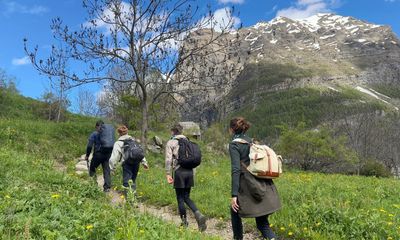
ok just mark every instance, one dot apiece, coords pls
pixel 246 199
pixel 127 150
pixel 182 178
pixel 102 141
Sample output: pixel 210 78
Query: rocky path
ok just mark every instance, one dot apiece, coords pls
pixel 215 227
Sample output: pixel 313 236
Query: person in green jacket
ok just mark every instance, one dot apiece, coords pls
pixel 245 202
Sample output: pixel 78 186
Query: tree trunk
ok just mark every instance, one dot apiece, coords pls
pixel 145 122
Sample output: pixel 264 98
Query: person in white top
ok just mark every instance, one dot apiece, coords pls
pixel 129 171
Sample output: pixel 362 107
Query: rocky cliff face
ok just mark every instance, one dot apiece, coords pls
pixel 322 50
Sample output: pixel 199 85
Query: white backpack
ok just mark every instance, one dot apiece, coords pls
pixel 264 162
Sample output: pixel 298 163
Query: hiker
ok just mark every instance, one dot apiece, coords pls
pixel 101 140
pixel 245 203
pixel 182 178
pixel 123 149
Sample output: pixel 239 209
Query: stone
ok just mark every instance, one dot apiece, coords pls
pixel 158 141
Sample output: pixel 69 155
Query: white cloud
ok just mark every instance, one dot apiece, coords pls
pixel 10 7
pixel 231 1
pixel 222 19
pixel 306 8
pixel 21 61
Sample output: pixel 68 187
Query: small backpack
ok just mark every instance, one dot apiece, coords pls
pixel 264 162
pixel 133 152
pixel 106 136
pixel 189 154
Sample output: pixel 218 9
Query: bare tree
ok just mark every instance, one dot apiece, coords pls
pixel 159 46
pixel 87 103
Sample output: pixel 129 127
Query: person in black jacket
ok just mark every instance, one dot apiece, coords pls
pixel 244 202
pixel 101 156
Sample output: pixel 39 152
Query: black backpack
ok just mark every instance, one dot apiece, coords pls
pixel 107 136
pixel 189 154
pixel 133 152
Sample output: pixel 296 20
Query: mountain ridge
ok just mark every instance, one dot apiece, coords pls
pixel 322 50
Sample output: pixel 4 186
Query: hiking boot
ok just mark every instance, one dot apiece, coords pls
pixel 201 221
pixel 184 223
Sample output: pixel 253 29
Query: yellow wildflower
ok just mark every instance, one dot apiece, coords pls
pixel 282 228
pixel 389 238
pixel 305 229
pixel 390 223
pixel 55 196
pixel 391 215
pixel 290 233
pixel 141 231
pixel 318 224
pixel 7 196
pixel 382 210
pixel 122 197
pixel 271 225
pixel 89 227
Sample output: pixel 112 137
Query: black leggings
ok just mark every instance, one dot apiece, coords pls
pixel 262 225
pixel 183 196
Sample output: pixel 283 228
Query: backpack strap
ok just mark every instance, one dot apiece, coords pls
pixel 240 140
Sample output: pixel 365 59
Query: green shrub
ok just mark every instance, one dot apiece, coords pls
pixel 374 168
pixel 315 149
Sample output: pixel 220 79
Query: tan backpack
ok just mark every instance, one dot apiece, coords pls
pixel 264 162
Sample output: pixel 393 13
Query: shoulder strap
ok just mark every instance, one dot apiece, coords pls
pixel 240 140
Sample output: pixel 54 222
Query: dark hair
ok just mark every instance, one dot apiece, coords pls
pixel 177 129
pixel 239 125
pixel 99 123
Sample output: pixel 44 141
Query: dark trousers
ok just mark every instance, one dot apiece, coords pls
pixel 183 196
pixel 262 225
pixel 130 172
pixel 102 158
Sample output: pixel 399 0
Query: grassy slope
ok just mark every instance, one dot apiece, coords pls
pixel 38 202
pixel 46 204
pixel 315 206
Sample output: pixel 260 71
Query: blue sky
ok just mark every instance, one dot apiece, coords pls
pixel 31 19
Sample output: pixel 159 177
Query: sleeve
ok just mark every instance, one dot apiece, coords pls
pixel 235 167
pixel 115 155
pixel 90 144
pixel 168 158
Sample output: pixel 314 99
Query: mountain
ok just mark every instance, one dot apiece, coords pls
pixel 315 64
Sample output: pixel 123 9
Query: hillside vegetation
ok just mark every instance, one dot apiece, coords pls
pixel 38 201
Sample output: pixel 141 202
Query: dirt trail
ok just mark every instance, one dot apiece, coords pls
pixel 215 227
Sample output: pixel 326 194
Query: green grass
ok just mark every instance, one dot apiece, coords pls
pixel 315 206
pixel 39 202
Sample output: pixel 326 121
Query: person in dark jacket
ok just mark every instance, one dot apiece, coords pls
pixel 182 179
pixel 101 156
pixel 245 201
